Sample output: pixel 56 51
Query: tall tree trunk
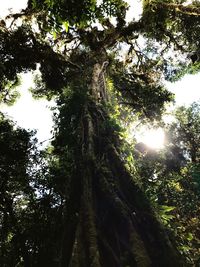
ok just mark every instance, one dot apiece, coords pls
pixel 108 221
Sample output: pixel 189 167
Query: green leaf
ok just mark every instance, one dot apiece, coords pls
pixel 50 3
pixel 166 209
pixel 54 35
pixel 34 4
pixel 167 217
pixel 190 236
pixel 66 25
pixel 185 248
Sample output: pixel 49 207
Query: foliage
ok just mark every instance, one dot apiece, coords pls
pixel 185 131
pixel 79 13
pixel 29 208
pixel 15 188
pixel 170 178
pixel 57 204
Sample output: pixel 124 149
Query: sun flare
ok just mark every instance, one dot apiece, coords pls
pixel 153 138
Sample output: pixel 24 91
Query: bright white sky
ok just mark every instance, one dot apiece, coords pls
pixel 32 114
pixel 186 90
pixel 15 5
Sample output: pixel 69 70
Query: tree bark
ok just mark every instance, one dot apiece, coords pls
pixel 109 222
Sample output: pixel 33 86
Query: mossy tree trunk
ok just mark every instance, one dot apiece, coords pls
pixel 108 221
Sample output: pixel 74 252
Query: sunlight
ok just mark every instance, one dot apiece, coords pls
pixel 153 138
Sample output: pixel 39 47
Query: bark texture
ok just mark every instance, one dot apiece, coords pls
pixel 108 220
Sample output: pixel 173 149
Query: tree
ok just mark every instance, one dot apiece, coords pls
pixel 185 131
pixel 16 191
pixel 170 178
pixel 106 219
pixel 29 209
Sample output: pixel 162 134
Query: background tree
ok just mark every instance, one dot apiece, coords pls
pixel 30 205
pixel 16 191
pixel 170 178
pixel 185 131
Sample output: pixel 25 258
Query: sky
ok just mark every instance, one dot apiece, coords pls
pixel 186 90
pixel 30 113
pixel 15 5
pixel 35 114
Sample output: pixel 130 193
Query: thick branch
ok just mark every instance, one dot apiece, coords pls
pixel 190 10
